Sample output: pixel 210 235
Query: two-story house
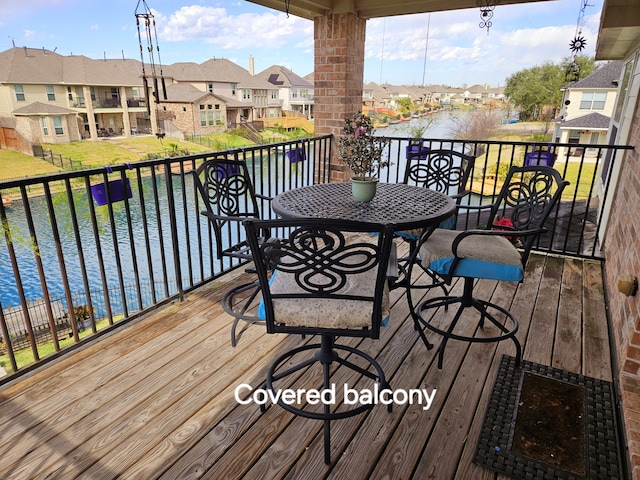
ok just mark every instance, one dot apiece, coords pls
pixel 587 106
pixel 48 97
pixel 294 92
pixel 247 97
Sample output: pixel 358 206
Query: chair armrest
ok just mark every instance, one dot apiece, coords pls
pixel 263 197
pixel 460 195
pixel 222 219
pixel 475 207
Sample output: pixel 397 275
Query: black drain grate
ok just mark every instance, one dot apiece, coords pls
pixel 602 449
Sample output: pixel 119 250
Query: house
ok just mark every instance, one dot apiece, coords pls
pixel 294 92
pixel 192 111
pixel 48 97
pixel 375 96
pixel 247 98
pixel 587 106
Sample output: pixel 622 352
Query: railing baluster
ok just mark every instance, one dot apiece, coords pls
pixel 272 173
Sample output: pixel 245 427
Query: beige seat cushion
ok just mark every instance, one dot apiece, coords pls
pixel 329 312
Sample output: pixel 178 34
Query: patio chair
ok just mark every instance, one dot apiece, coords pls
pixel 229 199
pixel 329 279
pixel 498 252
pixel 445 171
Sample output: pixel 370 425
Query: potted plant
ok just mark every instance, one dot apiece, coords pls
pixel 362 152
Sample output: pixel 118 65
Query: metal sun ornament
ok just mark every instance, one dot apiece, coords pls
pixel 486 12
pixel 578 44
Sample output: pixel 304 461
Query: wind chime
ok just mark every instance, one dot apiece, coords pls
pixel 145 21
pixel 576 45
pixel 486 12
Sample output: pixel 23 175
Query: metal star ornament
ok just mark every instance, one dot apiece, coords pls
pixel 577 44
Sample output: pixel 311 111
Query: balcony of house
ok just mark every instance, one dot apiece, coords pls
pixel 142 381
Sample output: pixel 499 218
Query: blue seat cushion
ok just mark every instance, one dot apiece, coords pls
pixel 491 257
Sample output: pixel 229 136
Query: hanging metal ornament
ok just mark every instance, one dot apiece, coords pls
pixel 577 44
pixel 572 73
pixel 486 12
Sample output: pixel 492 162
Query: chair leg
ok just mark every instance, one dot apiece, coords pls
pixel 467 301
pixel 325 353
pixel 238 310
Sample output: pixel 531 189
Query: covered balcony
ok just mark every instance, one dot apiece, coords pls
pixel 146 385
pixel 150 393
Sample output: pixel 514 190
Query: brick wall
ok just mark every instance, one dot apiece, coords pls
pixel 339 75
pixel 622 251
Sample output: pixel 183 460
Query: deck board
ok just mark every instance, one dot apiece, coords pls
pixel 155 399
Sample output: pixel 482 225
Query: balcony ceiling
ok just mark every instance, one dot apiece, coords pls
pixel 373 8
pixel 619 29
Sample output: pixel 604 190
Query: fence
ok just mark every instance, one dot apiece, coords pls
pixel 55 159
pixel 61 247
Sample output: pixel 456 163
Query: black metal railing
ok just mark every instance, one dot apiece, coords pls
pixel 99 238
pixel 115 242
pixel 578 219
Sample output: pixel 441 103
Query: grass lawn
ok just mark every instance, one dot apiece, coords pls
pixel 15 165
pixel 582 184
pixel 121 150
pixel 24 357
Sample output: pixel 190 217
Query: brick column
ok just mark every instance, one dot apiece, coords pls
pixel 339 74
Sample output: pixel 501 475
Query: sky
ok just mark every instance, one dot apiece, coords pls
pixel 446 48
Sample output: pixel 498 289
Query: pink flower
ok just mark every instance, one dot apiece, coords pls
pixel 360 131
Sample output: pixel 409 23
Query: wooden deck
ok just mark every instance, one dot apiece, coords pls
pixel 156 399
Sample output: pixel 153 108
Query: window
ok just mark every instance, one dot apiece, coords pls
pixel 593 100
pixel 217 106
pixel 246 94
pixel 93 93
pixel 218 117
pixel 51 94
pixel 45 126
pixel 203 118
pixel 210 87
pixel 233 88
pixel 19 89
pixel 69 93
pixel 274 94
pixel 210 117
pixel 209 106
pixel 114 93
pixel 57 125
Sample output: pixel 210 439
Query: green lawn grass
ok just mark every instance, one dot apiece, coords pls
pixel 15 165
pixel 24 357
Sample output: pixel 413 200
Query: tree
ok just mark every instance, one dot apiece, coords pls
pixel 405 104
pixel 536 91
pixel 476 126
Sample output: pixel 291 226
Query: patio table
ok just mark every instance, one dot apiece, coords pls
pixel 407 206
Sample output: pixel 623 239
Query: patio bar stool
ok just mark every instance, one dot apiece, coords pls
pixel 329 278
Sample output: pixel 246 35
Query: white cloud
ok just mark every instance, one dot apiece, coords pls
pixel 215 26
